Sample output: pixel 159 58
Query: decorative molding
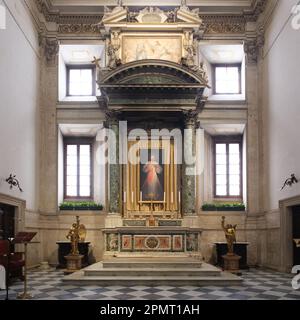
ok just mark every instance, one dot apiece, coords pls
pixel 79 28
pixel 151 14
pixel 258 9
pixel 91 23
pixel 224 24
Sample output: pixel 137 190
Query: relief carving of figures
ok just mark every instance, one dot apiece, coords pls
pixel 192 242
pixel 202 72
pixel 112 242
pixel 113 51
pixel 189 47
pixel 153 48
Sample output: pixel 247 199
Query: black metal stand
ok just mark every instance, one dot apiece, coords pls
pixel 7 278
pixel 7 271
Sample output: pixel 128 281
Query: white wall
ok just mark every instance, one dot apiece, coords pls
pixel 281 116
pixel 19 102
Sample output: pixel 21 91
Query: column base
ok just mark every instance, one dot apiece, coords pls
pixel 231 262
pixel 74 262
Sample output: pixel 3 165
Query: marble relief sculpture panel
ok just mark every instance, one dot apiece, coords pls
pixel 151 47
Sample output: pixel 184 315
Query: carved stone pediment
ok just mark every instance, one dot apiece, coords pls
pixel 185 14
pixel 151 15
pixel 115 15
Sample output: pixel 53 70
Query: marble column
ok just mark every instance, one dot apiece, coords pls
pixel 114 172
pixel 189 165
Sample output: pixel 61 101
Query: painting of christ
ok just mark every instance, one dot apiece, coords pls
pixel 152 175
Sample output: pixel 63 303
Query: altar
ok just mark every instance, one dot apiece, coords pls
pixel 152 239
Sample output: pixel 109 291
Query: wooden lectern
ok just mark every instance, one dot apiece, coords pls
pixel 24 238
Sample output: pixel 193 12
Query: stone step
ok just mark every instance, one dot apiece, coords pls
pixel 225 279
pixel 151 272
pixel 146 263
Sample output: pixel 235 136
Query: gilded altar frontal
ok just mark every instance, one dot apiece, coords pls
pixel 149 143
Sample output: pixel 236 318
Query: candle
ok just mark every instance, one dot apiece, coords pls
pixel 124 196
pixel 164 197
pixel 179 199
pixel 141 196
pixel 172 197
pixel 132 196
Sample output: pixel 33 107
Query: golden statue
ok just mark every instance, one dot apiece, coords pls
pixel 76 234
pixel 230 232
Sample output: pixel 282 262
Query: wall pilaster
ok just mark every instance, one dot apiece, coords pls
pixel 48 126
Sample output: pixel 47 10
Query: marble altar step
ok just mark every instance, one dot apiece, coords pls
pixel 181 275
pixel 153 272
pixel 152 262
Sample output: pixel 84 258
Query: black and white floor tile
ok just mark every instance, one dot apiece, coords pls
pixel 258 284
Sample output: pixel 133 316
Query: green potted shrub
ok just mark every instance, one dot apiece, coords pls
pixel 223 207
pixel 83 205
pixel 209 207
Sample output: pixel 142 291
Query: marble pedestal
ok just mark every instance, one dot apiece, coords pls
pixel 231 262
pixel 74 262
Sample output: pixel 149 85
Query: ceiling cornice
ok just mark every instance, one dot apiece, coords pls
pixel 215 22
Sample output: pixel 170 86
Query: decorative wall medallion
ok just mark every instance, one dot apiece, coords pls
pixel 152 242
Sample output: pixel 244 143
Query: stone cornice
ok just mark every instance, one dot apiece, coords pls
pixel 88 23
pixel 257 10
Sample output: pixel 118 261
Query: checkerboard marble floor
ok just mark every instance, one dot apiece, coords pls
pixel 258 284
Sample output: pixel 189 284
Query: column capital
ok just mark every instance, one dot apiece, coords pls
pixel 253 46
pixel 50 47
pixel 190 118
pixel 112 117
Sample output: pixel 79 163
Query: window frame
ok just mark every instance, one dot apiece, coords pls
pixel 78 141
pixel 226 65
pixel 70 67
pixel 227 140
